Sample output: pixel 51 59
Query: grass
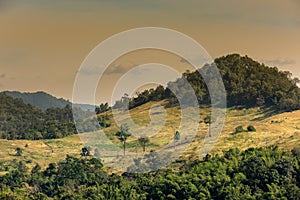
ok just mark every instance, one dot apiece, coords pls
pixel 271 129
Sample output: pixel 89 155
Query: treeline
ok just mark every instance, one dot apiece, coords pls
pixel 263 173
pixel 157 94
pixel 247 83
pixel 23 121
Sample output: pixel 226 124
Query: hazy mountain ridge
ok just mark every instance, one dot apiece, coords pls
pixel 43 100
pixel 39 99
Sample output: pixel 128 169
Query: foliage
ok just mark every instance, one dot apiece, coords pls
pixel 247 83
pixel 24 121
pixel 239 129
pixel 19 151
pixel 143 141
pixel 103 107
pixel 122 135
pixel 263 173
pixel 251 128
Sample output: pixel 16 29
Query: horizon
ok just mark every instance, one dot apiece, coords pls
pixel 42 44
pixel 98 103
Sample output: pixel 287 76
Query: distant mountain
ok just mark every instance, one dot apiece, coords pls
pixel 19 120
pixel 39 99
pixel 44 100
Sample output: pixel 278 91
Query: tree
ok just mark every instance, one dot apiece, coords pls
pixel 122 135
pixel 102 108
pixel 19 151
pixel 251 128
pixel 176 137
pixel 97 153
pixel 125 101
pixel 239 129
pixel 207 120
pixel 143 141
pixel 85 151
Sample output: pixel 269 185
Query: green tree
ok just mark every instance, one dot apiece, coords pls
pixel 207 120
pixel 143 141
pixel 85 151
pixel 176 137
pixel 19 151
pixel 122 135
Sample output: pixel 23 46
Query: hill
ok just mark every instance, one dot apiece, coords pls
pixel 24 121
pixel 43 100
pixel 281 129
pixel 39 99
pixel 247 83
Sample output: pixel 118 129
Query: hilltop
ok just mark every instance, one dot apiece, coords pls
pixel 40 99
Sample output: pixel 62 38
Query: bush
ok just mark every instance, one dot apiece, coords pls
pixel 239 129
pixel 251 128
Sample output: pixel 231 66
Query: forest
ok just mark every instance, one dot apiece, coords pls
pixel 256 173
pixel 23 121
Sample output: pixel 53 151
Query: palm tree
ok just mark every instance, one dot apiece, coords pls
pixel 122 135
pixel 143 141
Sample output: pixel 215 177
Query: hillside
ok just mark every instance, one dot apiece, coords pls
pixel 271 129
pixel 43 100
pixel 39 99
pixel 24 121
pixel 247 83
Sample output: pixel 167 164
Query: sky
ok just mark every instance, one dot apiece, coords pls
pixel 43 42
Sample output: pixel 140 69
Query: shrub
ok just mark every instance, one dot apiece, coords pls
pixel 251 128
pixel 239 129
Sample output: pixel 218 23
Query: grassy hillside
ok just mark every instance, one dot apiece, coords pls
pixel 271 129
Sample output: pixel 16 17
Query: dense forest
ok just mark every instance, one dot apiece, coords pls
pixel 23 121
pixel 263 173
pixel 247 83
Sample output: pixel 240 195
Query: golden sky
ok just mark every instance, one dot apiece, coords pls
pixel 43 42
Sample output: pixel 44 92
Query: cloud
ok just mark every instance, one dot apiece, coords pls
pixel 279 62
pixel 120 68
pixel 112 69
pixel 89 71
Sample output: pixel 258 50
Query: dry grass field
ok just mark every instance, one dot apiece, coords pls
pixel 271 129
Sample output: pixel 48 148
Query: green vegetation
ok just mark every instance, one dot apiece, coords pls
pixel 239 129
pixel 18 151
pixel 40 100
pixel 263 173
pixel 122 135
pixel 247 83
pixel 23 121
pixel 143 141
pixel 251 128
